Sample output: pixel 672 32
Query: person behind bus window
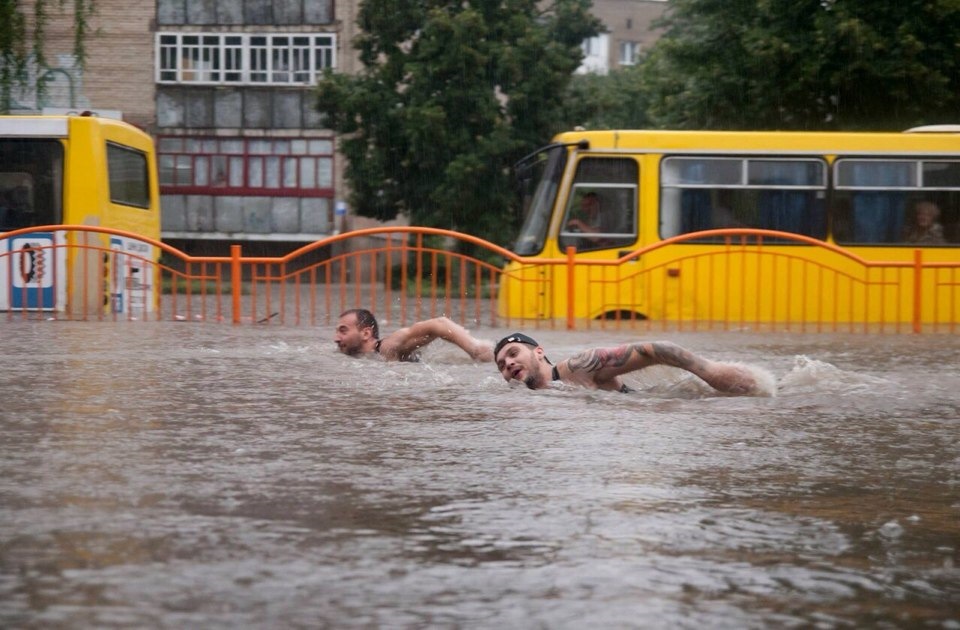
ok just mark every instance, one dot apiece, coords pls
pixel 586 220
pixel 595 225
pixel 926 226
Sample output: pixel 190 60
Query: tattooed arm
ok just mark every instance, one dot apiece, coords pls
pixel 601 367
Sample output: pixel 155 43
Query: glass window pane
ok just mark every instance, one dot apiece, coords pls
pixel 170 145
pixel 941 175
pixel 233 147
pixel 701 172
pixel 785 173
pixel 236 172
pixel 290 173
pixel 184 168
pixel 298 147
pixel 209 145
pixel 218 170
pixel 256 172
pixel 128 176
pixel 607 171
pixel 261 147
pixel 202 174
pixel 165 163
pixel 308 172
pixel 325 173
pixel 321 147
pixel 272 175
pixel 876 173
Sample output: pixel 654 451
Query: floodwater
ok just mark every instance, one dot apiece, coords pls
pixel 171 475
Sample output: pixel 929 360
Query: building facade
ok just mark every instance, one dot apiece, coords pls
pixel 225 87
pixel 629 30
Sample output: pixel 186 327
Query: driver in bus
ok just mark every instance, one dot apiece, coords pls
pixel 587 219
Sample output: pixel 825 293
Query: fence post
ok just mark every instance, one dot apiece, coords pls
pixel 571 295
pixel 235 280
pixel 917 290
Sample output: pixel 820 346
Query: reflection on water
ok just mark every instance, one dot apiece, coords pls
pixel 197 475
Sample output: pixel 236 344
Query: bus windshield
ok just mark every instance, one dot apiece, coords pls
pixel 538 178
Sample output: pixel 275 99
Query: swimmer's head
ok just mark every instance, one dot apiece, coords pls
pixel 517 337
pixel 517 364
pixel 357 332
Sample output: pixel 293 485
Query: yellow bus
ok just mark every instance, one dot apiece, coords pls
pixel 77 170
pixel 820 201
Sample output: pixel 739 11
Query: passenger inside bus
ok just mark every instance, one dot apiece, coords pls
pixel 925 226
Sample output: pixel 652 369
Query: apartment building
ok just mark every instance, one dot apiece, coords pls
pixel 628 31
pixel 224 86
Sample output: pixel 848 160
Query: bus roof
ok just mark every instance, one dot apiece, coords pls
pixel 33 126
pixel 796 142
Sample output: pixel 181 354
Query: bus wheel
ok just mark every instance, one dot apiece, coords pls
pixel 622 315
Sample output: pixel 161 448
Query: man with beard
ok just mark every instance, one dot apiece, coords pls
pixel 358 334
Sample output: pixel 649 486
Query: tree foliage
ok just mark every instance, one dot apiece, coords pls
pixel 450 95
pixel 612 101
pixel 805 64
pixel 21 45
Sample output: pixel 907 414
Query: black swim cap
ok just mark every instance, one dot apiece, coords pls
pixel 516 337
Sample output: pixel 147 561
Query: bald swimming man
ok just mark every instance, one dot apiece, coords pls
pixel 521 358
pixel 358 334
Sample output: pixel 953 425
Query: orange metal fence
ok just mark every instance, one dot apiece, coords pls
pixel 405 274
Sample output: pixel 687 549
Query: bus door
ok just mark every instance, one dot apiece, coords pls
pixel 32 269
pixel 600 219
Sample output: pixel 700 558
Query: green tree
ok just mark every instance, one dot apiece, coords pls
pixel 22 41
pixel 611 101
pixel 805 64
pixel 450 95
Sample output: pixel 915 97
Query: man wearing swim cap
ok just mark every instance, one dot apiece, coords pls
pixel 358 334
pixel 521 358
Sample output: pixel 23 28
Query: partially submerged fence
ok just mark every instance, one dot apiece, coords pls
pixel 749 279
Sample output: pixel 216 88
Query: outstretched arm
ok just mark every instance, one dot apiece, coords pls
pixel 602 366
pixel 407 340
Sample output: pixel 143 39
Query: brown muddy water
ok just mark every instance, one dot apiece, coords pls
pixel 185 475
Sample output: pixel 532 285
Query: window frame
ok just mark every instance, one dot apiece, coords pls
pixel 118 186
pixel 250 59
pixel 671 185
pixel 606 187
pixel 267 166
pixel 849 230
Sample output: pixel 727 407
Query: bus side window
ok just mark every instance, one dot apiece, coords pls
pixel 876 211
pixel 696 210
pixel 596 217
pixel 601 210
pixel 878 216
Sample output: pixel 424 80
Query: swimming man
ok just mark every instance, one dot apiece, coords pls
pixel 358 334
pixel 520 358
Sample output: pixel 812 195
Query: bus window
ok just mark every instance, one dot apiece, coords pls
pixel 538 177
pixel 31 172
pixel 601 209
pixel 128 174
pixel 896 201
pixel 770 193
